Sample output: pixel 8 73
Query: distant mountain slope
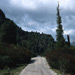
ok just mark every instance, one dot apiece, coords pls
pixel 10 33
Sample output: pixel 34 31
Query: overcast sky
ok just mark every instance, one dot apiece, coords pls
pixel 40 15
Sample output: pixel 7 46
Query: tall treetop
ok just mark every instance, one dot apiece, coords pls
pixel 59 38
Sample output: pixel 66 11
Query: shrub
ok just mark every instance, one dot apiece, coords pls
pixel 62 59
pixel 11 55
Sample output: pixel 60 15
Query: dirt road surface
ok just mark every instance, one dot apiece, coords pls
pixel 38 66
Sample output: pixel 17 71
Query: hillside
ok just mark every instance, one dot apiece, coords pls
pixel 10 33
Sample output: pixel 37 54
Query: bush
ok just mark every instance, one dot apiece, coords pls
pixel 11 55
pixel 62 59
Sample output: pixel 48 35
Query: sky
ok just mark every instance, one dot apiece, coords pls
pixel 40 15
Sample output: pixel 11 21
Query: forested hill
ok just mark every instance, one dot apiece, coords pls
pixel 10 33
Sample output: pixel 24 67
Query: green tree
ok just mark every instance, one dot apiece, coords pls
pixel 2 17
pixel 59 37
pixel 8 32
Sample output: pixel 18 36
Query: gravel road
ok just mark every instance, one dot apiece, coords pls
pixel 38 66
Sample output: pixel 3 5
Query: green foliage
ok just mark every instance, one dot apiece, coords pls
pixel 2 17
pixel 60 38
pixel 8 32
pixel 13 71
pixel 36 42
pixel 62 59
pixel 11 55
pixel 18 46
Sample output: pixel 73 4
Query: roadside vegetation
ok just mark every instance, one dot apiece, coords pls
pixel 14 71
pixel 11 56
pixel 62 57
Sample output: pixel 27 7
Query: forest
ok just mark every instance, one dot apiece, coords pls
pixel 18 46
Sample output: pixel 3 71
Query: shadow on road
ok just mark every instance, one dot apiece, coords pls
pixel 32 61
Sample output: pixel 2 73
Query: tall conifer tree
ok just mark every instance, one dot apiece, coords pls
pixel 59 31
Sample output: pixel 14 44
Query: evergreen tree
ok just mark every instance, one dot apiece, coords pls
pixel 8 32
pixel 2 17
pixel 60 38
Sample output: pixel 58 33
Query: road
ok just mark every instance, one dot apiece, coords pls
pixel 38 66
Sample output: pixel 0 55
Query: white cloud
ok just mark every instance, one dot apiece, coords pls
pixel 27 4
pixel 54 29
pixel 33 4
pixel 67 4
pixel 71 32
pixel 40 15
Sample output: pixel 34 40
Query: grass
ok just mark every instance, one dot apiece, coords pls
pixel 15 71
pixel 58 72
